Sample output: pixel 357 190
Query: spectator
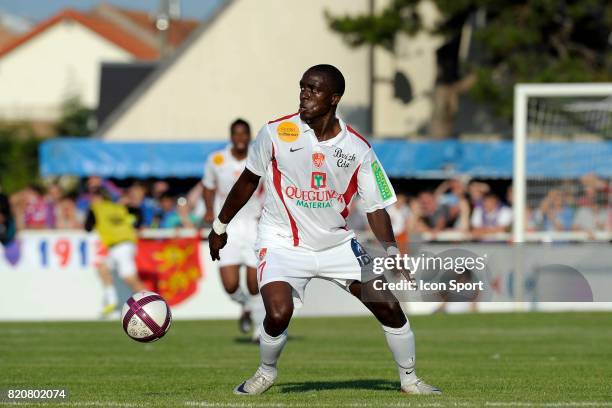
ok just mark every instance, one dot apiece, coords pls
pixel 175 214
pixel 167 211
pixel 476 193
pixel 66 214
pixel 139 205
pixel 52 198
pixel 452 194
pixel 7 223
pixel 553 213
pixel 592 216
pixel 93 184
pixel 432 217
pixel 591 186
pixel 490 218
pixel 35 211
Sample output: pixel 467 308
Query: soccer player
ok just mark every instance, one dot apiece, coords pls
pixel 222 169
pixel 116 227
pixel 313 164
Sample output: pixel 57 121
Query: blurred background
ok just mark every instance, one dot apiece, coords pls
pixel 133 95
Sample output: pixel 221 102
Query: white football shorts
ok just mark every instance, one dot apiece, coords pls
pixel 239 250
pixel 121 257
pixel 297 266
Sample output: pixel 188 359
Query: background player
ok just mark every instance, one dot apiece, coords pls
pixel 222 169
pixel 115 226
pixel 313 164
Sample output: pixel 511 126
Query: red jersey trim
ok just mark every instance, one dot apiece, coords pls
pixel 283 118
pixel 351 130
pixel 276 179
pixel 351 189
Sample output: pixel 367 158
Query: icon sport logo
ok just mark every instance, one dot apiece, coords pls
pixel 288 132
pixel 317 159
pixel 318 180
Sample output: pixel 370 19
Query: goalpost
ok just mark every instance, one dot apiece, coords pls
pixel 546 118
pixel 577 112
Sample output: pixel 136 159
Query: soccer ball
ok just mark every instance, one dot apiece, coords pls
pixel 146 317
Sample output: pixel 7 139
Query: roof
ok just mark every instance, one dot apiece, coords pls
pixel 109 30
pixel 165 65
pixel 178 32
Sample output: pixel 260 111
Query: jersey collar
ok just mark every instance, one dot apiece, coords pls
pixel 333 140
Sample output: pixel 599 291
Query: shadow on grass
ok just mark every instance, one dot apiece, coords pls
pixel 375 384
pixel 247 340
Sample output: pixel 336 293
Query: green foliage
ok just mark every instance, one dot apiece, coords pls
pixel 75 119
pixel 521 41
pixel 19 157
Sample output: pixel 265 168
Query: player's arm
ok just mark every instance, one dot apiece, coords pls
pixel 375 189
pixel 209 199
pixel 258 159
pixel 208 193
pixel 380 223
pixel 238 196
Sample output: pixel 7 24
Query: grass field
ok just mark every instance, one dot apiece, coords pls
pixel 488 359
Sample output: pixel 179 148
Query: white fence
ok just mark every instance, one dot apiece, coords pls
pixel 51 275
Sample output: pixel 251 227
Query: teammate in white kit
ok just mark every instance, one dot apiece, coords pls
pixel 313 164
pixel 222 169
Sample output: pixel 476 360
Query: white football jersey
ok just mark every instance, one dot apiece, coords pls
pixel 310 184
pixel 221 171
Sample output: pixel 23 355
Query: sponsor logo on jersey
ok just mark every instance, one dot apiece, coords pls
pixel 317 159
pixel 344 159
pixel 381 181
pixel 318 180
pixel 288 132
pixel 315 198
pixel 218 159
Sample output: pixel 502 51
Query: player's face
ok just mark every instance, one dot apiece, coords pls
pixel 316 96
pixel 241 137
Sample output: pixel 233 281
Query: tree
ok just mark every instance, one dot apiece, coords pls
pixel 19 158
pixel 75 119
pixel 519 41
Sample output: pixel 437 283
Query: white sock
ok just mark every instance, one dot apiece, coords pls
pixel 401 344
pixel 110 295
pixel 269 351
pixel 258 311
pixel 239 296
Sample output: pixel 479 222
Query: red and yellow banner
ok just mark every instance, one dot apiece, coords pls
pixel 170 267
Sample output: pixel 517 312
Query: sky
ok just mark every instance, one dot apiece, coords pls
pixel 38 10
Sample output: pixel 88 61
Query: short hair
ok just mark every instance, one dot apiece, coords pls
pixel 238 122
pixel 334 76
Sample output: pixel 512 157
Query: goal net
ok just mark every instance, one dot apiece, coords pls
pixel 562 178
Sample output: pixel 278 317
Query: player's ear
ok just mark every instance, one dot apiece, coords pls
pixel 336 99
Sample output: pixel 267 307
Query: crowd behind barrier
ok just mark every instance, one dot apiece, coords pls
pixel 456 210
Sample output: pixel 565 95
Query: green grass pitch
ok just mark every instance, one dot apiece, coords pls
pixel 531 359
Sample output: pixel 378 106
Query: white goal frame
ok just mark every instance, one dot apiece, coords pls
pixel 522 93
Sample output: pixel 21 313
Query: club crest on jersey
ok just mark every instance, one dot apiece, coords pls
pixel 317 159
pixel 288 132
pixel 262 253
pixel 318 180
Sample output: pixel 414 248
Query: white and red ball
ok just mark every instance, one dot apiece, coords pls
pixel 146 317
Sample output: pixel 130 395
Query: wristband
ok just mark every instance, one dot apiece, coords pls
pixel 219 227
pixel 392 251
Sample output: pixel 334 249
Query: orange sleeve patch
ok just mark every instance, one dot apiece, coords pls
pixel 218 159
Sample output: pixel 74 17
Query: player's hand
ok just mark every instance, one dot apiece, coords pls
pixel 215 243
pixel 209 217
